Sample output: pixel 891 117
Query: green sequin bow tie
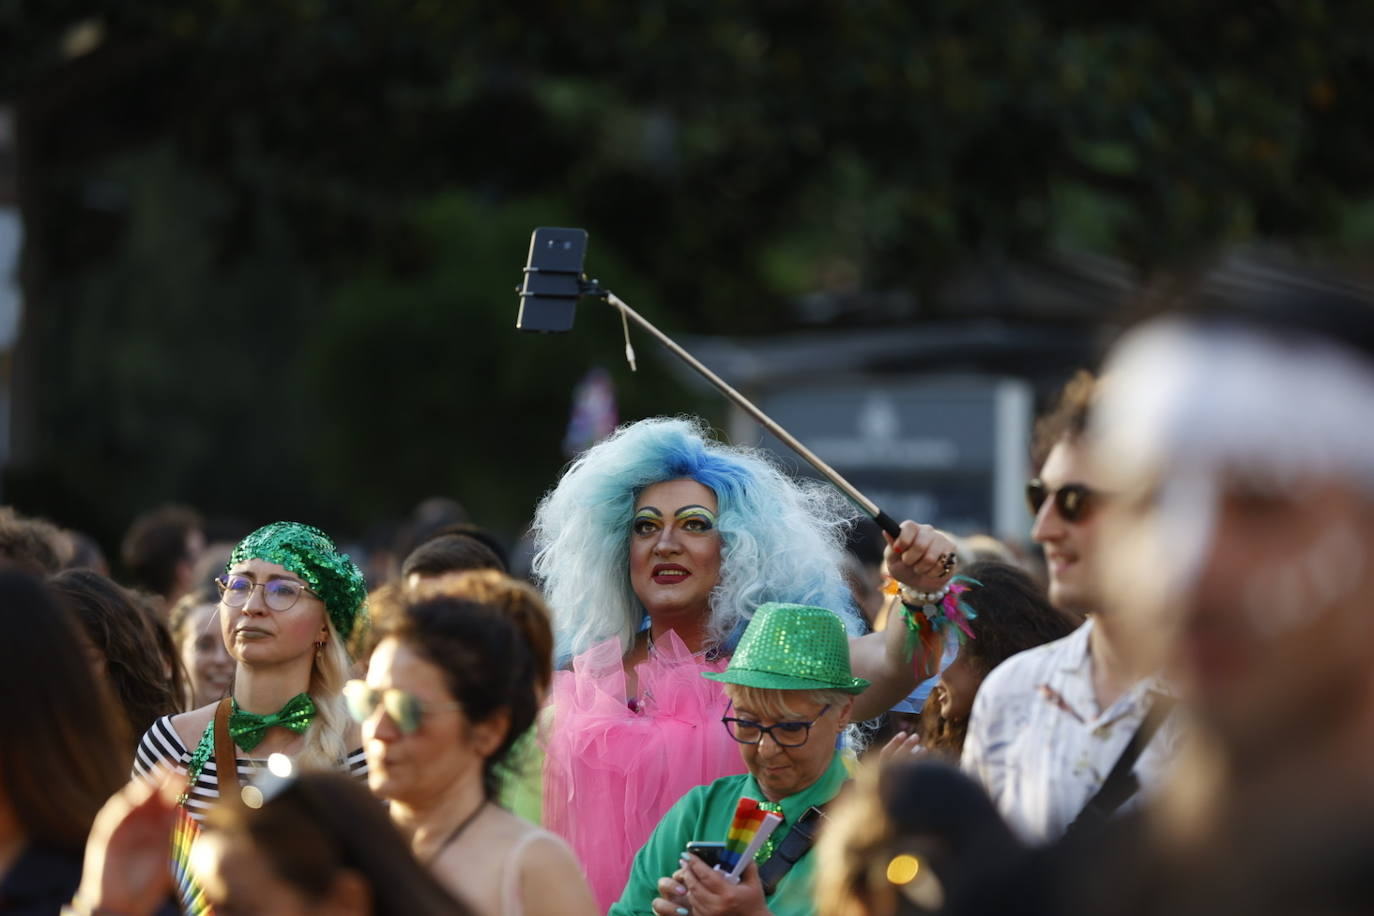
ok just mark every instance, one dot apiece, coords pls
pixel 248 728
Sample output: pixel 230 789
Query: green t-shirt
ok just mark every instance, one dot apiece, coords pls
pixel 705 813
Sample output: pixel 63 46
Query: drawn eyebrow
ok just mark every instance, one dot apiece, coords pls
pixel 693 509
pixel 649 510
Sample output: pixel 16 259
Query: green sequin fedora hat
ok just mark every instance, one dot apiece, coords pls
pixel 792 647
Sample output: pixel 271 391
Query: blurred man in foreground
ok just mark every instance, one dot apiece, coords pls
pixel 1236 435
pixel 1238 438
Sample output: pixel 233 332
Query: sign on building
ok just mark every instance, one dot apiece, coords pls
pixel 947 451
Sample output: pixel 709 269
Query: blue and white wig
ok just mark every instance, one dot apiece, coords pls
pixel 781 539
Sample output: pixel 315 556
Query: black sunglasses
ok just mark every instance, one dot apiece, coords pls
pixel 1073 500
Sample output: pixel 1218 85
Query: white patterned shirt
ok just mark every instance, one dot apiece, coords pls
pixel 1039 746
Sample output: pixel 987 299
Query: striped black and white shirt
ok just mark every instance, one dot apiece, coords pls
pixel 161 745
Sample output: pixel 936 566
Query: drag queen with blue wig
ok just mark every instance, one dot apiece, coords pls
pixel 654 550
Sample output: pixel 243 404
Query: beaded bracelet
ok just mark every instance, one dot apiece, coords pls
pixel 913 598
pixel 949 612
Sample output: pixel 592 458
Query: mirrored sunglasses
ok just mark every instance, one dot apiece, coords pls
pixel 405 709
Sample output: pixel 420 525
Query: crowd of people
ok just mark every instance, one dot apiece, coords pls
pixel 708 697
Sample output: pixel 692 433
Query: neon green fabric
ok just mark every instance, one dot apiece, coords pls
pixel 522 775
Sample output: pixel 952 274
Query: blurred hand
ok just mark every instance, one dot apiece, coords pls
pixel 128 865
pixel 712 894
pixel 672 896
pixel 918 556
pixel 901 747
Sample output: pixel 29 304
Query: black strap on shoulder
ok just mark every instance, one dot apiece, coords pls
pixel 1121 783
pixel 794 845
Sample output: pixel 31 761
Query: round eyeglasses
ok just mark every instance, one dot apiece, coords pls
pixel 277 594
pixel 784 734
pixel 405 709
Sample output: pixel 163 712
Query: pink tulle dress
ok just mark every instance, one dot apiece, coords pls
pixel 612 768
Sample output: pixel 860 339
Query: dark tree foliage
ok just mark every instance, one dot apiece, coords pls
pixel 271 244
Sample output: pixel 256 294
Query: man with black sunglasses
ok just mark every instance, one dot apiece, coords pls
pixel 1238 436
pixel 1050 725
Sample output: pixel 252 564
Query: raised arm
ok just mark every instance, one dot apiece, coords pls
pixel 919 559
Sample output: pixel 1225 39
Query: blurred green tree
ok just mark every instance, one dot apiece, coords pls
pixel 271 245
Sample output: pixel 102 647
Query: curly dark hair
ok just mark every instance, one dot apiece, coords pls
pixel 1068 419
pixel 1013 614
pixel 142 676
pixel 486 654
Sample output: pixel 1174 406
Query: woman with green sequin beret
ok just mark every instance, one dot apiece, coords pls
pixel 289 600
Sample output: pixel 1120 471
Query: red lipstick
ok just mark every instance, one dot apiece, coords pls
pixel 669 573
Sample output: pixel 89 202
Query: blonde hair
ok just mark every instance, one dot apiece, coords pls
pixel 778 704
pixel 325 748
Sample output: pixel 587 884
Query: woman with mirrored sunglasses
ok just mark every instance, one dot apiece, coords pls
pixel 451 685
pixel 288 603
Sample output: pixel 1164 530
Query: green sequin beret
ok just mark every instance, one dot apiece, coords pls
pixel 309 553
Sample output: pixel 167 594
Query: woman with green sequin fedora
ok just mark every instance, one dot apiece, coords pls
pixel 289 600
pixel 791 694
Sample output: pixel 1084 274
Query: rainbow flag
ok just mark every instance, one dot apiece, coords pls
pixel 189 892
pixel 748 819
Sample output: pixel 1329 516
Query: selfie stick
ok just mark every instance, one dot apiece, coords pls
pixel 593 288
pixel 554 281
